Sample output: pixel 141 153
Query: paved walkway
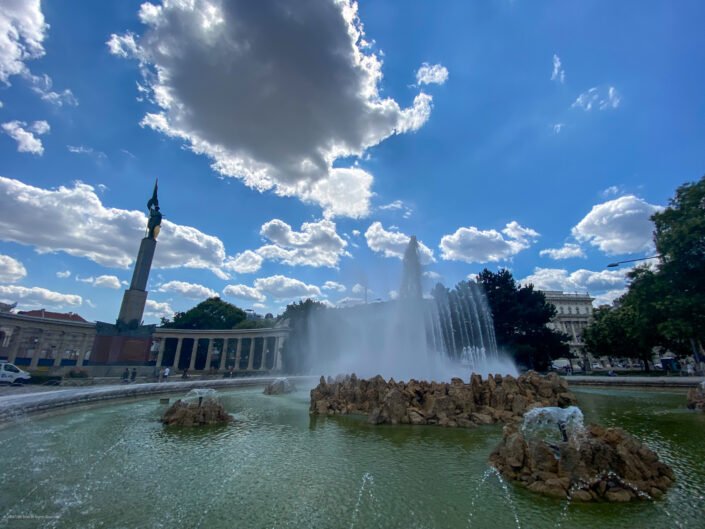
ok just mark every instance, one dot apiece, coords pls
pixel 14 405
pixel 636 381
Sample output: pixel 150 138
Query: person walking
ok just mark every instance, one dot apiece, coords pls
pixel 133 375
pixel 126 376
pixel 166 374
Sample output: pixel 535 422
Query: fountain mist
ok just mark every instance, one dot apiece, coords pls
pixel 450 334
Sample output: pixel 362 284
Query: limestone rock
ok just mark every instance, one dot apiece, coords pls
pixel 196 413
pixel 495 399
pixel 696 398
pixel 280 386
pixel 597 464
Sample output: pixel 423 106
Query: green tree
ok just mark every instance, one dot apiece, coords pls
pixel 680 240
pixel 520 315
pixel 213 313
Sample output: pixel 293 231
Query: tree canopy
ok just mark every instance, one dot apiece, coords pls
pixel 213 313
pixel 664 306
pixel 520 315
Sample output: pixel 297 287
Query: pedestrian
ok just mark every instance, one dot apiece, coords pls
pixel 185 373
pixel 125 376
pixel 166 374
pixel 133 375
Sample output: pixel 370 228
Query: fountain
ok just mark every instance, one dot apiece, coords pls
pixel 448 335
pixel 552 453
pixel 200 407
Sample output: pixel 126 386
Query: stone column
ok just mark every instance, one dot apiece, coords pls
pixel 160 354
pixel 251 359
pixel 277 354
pixel 17 335
pixel 39 347
pixel 194 350
pixel 209 354
pixel 82 350
pixel 223 355
pixel 177 355
pixel 59 353
pixel 238 352
pixel 263 361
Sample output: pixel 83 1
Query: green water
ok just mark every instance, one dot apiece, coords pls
pixel 116 466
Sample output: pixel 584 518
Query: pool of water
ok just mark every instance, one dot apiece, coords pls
pixel 116 466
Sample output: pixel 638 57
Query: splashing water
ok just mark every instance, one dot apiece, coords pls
pixel 553 424
pixel 367 482
pixel 450 335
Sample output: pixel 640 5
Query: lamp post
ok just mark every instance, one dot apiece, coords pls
pixel 614 265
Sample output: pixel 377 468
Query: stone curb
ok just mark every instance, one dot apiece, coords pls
pixel 16 405
pixel 635 382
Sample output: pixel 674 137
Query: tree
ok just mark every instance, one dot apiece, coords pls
pixel 680 240
pixel 213 313
pixel 520 316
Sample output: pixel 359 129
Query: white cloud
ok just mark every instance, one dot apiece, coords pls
pixel 606 298
pixel 42 84
pixel 317 244
pixel 246 262
pixel 398 205
pixel 82 226
pixel 359 289
pixel 107 281
pixel 188 290
pixel 356 233
pixel 598 98
pixel 11 269
pixel 63 274
pixel 22 32
pixel 579 281
pixel 332 285
pixel 24 136
pixel 557 127
pixel 558 73
pixel 156 309
pixel 472 245
pixel 82 149
pixel 568 251
pixel 349 302
pixel 612 190
pixel 36 297
pixel 393 243
pixel 619 226
pixel 431 74
pixel 433 276
pixel 297 90
pixel 282 287
pixel 244 292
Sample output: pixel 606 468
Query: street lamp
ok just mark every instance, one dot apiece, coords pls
pixel 614 265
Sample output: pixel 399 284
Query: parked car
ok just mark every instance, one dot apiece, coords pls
pixel 597 365
pixel 11 374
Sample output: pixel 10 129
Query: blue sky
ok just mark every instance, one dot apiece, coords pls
pixel 299 144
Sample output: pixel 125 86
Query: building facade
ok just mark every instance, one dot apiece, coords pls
pixel 42 338
pixel 573 314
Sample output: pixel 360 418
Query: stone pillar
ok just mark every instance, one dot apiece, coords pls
pixel 209 354
pixel 39 347
pixel 160 354
pixel 177 355
pixel 277 354
pixel 238 352
pixel 251 359
pixel 17 335
pixel 223 355
pixel 82 350
pixel 59 353
pixel 194 350
pixel 263 360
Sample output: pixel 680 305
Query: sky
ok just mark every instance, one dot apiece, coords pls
pixel 299 144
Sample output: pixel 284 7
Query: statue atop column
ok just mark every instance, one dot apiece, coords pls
pixel 155 217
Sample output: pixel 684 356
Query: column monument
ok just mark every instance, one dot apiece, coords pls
pixel 128 340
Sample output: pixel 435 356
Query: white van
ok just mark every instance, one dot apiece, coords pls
pixel 10 374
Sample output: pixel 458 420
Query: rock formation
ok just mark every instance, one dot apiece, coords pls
pixel 200 407
pixel 696 397
pixel 596 464
pixel 279 387
pixel 454 404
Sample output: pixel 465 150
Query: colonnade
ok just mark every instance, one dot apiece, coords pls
pixel 229 348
